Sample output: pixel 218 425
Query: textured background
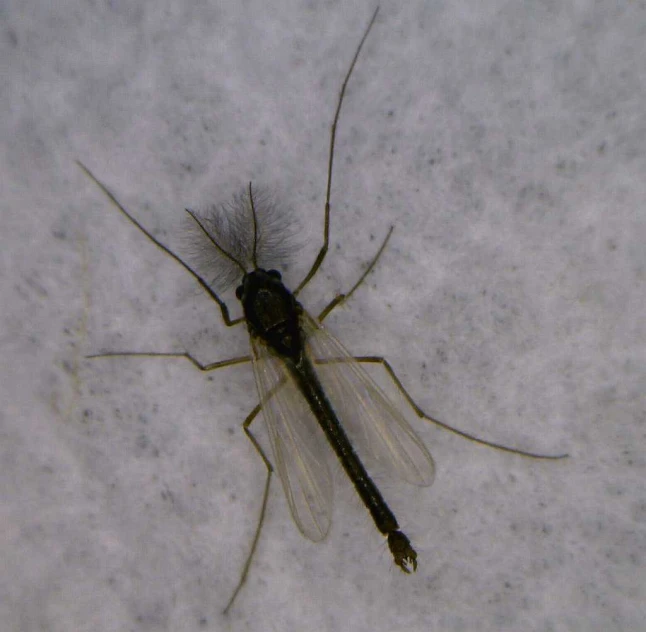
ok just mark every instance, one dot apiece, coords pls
pixel 505 142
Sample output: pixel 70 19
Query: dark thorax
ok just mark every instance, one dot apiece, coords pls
pixel 272 312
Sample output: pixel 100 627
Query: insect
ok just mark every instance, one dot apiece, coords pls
pixel 311 390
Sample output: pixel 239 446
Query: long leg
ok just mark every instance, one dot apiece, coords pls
pixel 245 426
pixel 263 507
pixel 422 415
pixel 202 367
pixel 270 470
pixel 342 298
pixel 326 230
pixel 228 321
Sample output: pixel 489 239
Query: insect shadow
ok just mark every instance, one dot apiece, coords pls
pixel 311 390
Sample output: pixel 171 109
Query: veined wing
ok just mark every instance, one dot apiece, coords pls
pixel 298 444
pixel 372 421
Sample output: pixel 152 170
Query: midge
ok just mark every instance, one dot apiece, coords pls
pixel 309 387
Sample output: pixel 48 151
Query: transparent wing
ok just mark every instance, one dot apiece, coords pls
pixel 375 426
pixel 298 444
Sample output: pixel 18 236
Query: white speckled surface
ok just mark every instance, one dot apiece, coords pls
pixel 508 147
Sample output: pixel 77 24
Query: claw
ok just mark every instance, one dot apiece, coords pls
pixel 402 550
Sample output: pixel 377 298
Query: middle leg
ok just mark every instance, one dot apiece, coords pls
pixel 187 356
pixel 342 298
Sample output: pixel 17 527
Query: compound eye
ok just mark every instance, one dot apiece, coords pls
pixel 239 292
pixel 275 274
